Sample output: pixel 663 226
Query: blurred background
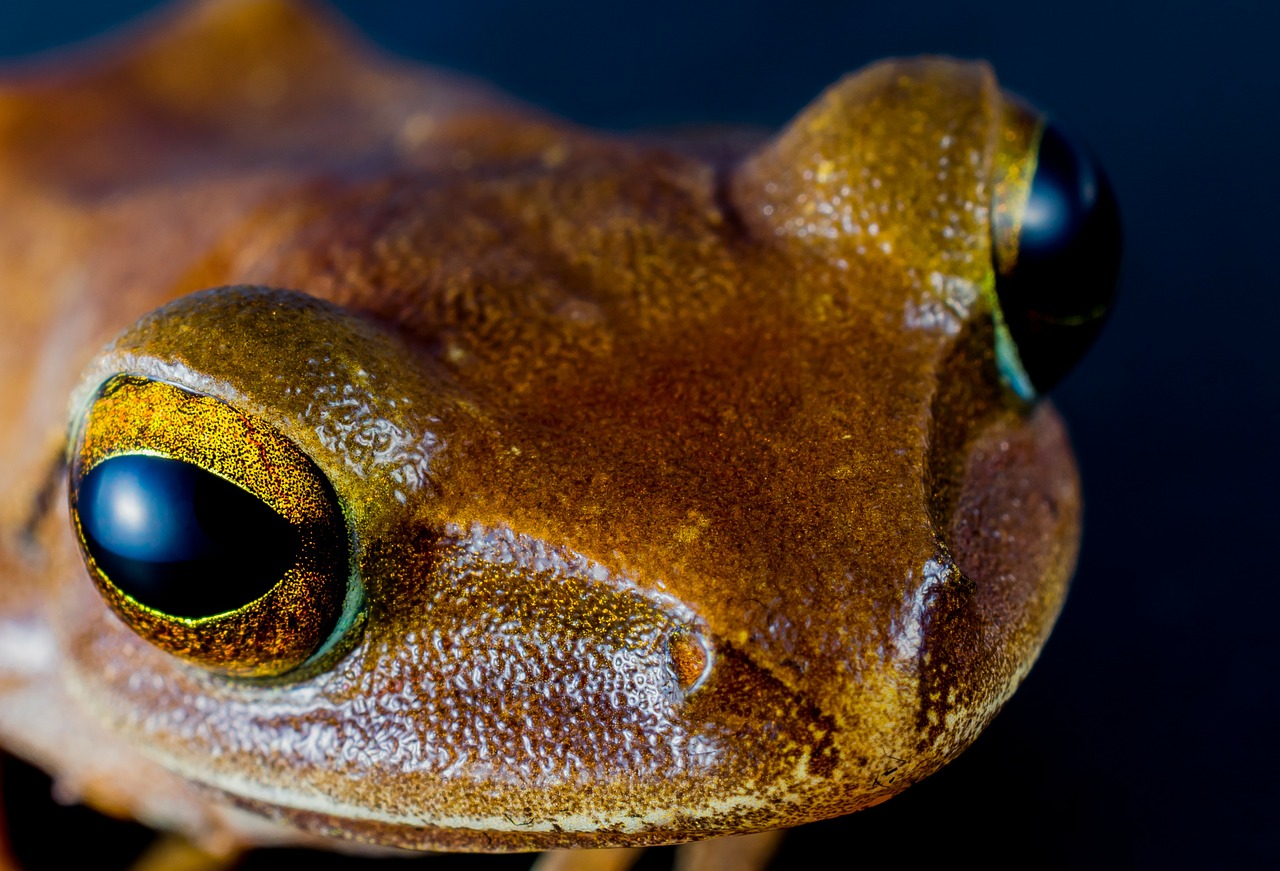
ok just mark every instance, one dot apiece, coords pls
pixel 1146 736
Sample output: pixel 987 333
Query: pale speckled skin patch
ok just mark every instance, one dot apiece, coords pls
pixel 577 395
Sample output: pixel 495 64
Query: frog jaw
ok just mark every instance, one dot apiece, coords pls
pixel 542 710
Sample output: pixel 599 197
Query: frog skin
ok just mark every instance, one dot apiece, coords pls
pixel 686 492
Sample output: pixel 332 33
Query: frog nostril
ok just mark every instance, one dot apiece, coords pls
pixel 690 658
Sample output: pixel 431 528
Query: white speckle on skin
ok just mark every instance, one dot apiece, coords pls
pixel 26 648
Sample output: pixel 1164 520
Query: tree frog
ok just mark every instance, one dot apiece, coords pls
pixel 444 476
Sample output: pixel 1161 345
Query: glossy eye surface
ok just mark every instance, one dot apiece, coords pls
pixel 179 539
pixel 210 534
pixel 1059 257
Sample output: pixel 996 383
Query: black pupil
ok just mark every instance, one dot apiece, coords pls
pixel 1060 288
pixel 179 539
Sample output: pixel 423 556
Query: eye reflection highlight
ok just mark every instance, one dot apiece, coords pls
pixel 134 506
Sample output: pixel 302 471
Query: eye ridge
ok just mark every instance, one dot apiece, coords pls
pixel 181 540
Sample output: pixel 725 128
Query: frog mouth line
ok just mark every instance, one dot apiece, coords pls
pixel 269 800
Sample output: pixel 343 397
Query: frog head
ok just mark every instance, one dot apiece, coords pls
pixel 522 487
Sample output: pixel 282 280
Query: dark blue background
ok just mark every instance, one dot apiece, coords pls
pixel 1146 735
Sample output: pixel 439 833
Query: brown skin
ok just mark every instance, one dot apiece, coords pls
pixel 615 407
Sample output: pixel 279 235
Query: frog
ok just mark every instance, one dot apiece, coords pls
pixel 390 462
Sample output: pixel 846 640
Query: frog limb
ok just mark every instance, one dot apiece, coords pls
pixel 7 862
pixel 618 859
pixel 176 853
pixel 741 852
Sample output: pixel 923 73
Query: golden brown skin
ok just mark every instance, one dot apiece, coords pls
pixel 594 409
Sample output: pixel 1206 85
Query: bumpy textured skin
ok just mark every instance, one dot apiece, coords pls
pixel 584 399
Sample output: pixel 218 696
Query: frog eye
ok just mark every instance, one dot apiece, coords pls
pixel 209 533
pixel 1057 252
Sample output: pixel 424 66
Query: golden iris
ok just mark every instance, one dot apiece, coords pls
pixel 208 532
